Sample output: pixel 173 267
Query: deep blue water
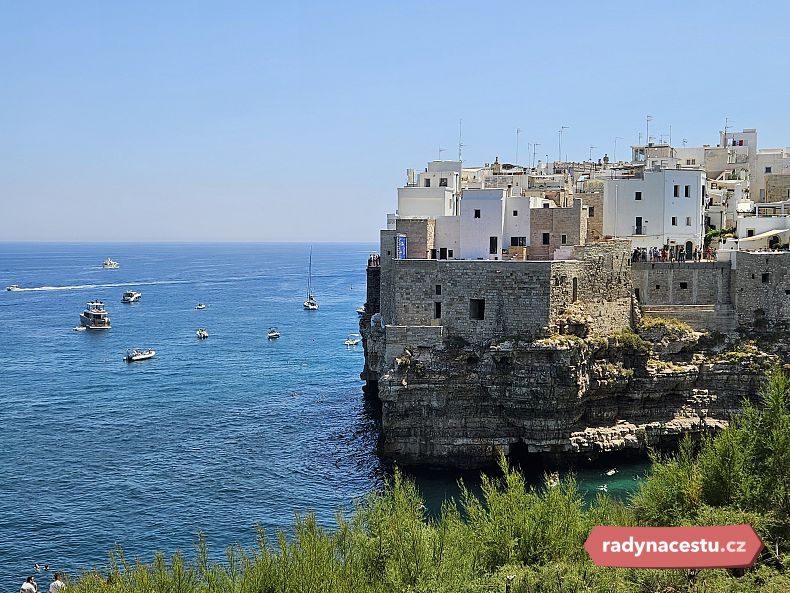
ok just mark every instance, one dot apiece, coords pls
pixel 216 435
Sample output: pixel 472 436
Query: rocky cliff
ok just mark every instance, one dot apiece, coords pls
pixel 451 403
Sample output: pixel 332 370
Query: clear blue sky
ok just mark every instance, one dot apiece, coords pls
pixel 296 121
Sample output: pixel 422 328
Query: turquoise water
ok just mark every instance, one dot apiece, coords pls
pixel 217 435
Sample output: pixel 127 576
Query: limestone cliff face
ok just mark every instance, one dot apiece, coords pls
pixel 445 402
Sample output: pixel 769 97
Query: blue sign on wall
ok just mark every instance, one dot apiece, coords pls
pixel 401 246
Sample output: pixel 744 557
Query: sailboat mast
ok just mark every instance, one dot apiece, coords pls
pixel 310 274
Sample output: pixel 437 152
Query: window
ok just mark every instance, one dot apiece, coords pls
pixel 492 245
pixel 674 221
pixel 688 221
pixel 546 238
pixel 687 191
pixel 477 309
pixel 477 213
pixel 518 241
pixel 428 182
pixel 443 253
pixel 438 290
pixel 545 204
pixel 658 287
pixel 677 191
pixel 684 285
pixel 564 240
pixel 591 211
pixel 750 232
pixel 768 169
pixel 638 195
pixel 449 253
pixel 515 212
pixel 766 277
pixel 442 181
pixel 437 310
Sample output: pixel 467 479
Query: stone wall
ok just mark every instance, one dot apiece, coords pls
pixel 571 222
pixel 692 283
pixel 594 203
pixel 421 233
pixel 762 290
pixel 777 188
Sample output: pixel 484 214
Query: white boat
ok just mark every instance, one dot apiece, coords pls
pixel 201 334
pixel 200 306
pixel 352 340
pixel 110 264
pixel 95 316
pixel 136 355
pixel 130 296
pixel 13 287
pixel 273 333
pixel 361 311
pixel 310 304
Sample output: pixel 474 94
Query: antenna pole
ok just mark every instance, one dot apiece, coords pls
pixel 518 131
pixel 460 144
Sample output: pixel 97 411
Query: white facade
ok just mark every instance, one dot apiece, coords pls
pixel 660 207
pixel 447 237
pixel 771 161
pixel 426 202
pixel 482 222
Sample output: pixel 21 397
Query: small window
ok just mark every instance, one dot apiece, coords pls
pixel 564 239
pixel 766 277
pixel 438 290
pixel 442 181
pixel 674 221
pixel 477 213
pixel 389 252
pixel 449 253
pixel 688 221
pixel 591 211
pixel 427 182
pixel 515 212
pixel 546 238
pixel 545 204
pixel 768 169
pixel 677 191
pixel 437 310
pixel 684 285
pixel 492 245
pixel 687 191
pixel 658 287
pixel 638 195
pixel 518 241
pixel 750 232
pixel 477 309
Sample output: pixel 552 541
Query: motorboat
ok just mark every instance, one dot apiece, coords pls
pixel 13 287
pixel 136 355
pixel 273 333
pixel 200 306
pixel 201 334
pixel 110 264
pixel 361 311
pixel 95 316
pixel 130 296
pixel 352 340
pixel 310 304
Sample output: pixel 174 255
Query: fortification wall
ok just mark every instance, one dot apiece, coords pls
pixel 762 290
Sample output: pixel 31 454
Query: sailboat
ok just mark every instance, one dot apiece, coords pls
pixel 310 304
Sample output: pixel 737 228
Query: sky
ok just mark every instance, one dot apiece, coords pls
pixel 296 121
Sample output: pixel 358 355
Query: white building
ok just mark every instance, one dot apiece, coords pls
pixel 655 207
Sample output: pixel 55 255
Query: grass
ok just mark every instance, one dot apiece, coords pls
pixel 534 535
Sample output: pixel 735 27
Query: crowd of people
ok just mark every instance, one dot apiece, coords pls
pixel 374 261
pixel 675 253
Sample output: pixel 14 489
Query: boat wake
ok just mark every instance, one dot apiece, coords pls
pixel 124 284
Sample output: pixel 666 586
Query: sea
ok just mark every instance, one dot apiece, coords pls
pixel 217 436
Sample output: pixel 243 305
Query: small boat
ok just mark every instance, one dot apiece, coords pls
pixel 201 334
pixel 310 304
pixel 611 472
pixel 110 264
pixel 352 340
pixel 200 306
pixel 361 311
pixel 130 296
pixel 95 316
pixel 13 287
pixel 273 333
pixel 136 355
